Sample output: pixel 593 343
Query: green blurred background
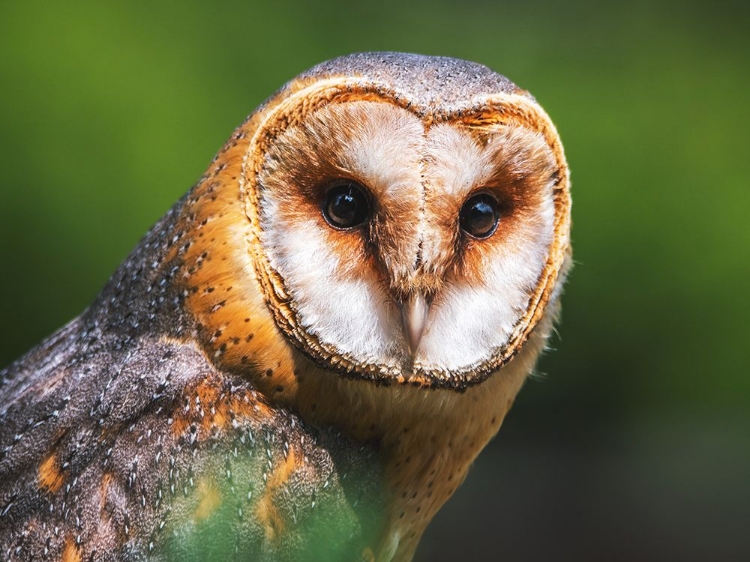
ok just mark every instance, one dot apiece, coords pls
pixel 633 443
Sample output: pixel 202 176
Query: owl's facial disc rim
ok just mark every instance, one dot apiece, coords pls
pixel 291 107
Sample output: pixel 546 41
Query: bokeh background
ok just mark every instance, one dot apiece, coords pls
pixel 633 441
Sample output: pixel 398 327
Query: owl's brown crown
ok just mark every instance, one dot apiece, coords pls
pixel 433 84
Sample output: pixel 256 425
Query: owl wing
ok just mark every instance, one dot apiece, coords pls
pixel 144 450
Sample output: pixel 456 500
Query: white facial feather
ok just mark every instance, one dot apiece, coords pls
pixel 348 311
pixel 382 150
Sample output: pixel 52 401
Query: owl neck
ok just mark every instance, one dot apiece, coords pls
pixel 428 438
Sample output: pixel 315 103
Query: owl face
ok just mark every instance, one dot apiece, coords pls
pixel 403 243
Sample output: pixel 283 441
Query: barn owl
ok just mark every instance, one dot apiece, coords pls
pixel 303 357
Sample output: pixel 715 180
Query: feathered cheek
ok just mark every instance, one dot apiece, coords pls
pixel 335 291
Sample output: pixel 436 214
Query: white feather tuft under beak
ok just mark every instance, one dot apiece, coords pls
pixel 413 316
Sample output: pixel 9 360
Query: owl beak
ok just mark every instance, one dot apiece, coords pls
pixel 413 316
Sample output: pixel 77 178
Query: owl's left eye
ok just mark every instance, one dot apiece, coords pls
pixel 346 205
pixel 479 215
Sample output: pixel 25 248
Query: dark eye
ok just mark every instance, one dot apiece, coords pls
pixel 346 205
pixel 479 215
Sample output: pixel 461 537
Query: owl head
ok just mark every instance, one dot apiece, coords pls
pixel 409 217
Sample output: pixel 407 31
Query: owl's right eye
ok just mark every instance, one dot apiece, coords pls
pixel 346 205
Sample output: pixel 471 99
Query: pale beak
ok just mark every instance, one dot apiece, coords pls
pixel 413 316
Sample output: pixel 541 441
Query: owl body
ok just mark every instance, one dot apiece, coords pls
pixel 303 357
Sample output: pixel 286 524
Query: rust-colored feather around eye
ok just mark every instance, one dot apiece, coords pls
pixel 523 175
